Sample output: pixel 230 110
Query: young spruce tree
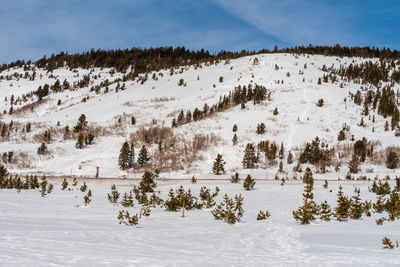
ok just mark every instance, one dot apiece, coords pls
pixel 218 165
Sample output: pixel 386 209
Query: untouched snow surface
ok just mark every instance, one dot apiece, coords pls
pixel 52 231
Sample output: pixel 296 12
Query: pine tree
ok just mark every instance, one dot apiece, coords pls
pixel 356 206
pixel 67 133
pixel 281 152
pixel 235 178
pixel 147 183
pixel 79 143
pixel 133 120
pixel 392 160
pixel 248 183
pixel 193 180
pixel 341 136
pixel 81 124
pixel 207 198
pixel 290 158
pixel 64 184
pixel 127 200
pixel 308 176
pixel 392 205
pixel 353 164
pixel 50 188
pixel 343 206
pixel 231 211
pixel 280 167
pixel 83 187
pixel 218 165
pixel 114 196
pixel 235 139
pixel 325 184
pixel 124 157
pixel 42 150
pixel 143 157
pixel 125 218
pixel 325 211
pixel 235 128
pixel 306 214
pixel 387 243
pixel 87 198
pixel 263 215
pixel 43 187
pixel 249 158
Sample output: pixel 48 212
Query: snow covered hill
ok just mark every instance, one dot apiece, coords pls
pixel 155 99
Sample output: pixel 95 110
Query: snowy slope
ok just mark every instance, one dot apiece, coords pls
pixel 52 231
pixel 299 119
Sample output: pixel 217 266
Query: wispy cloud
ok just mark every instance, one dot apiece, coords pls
pixel 318 22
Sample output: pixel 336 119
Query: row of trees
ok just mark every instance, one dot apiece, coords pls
pixel 155 58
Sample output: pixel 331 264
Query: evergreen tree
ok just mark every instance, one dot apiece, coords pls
pixel 341 136
pixel 387 243
pixel 392 205
pixel 50 188
pixel 114 195
pixel 290 158
pixel 79 143
pixel 325 211
pixel 87 198
pixel 249 158
pixel 281 152
pixel 207 198
pixel 280 167
pixel 67 133
pixel 234 139
pixel 147 183
pixel 83 187
pixel 42 149
pixel 231 211
pixel 306 214
pixel 392 160
pixel 81 124
pixel 143 157
pixel 127 200
pixel 218 165
pixel 125 218
pixel 235 178
pixel 193 180
pixel 343 206
pixel 235 128
pixel 248 183
pixel 308 176
pixel 356 206
pixel 124 159
pixel 263 215
pixel 133 120
pixel 43 187
pixel 64 184
pixel 353 164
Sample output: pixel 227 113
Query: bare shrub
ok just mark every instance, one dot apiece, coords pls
pixel 151 135
pixel 29 107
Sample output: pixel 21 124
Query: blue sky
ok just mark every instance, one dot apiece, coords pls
pixel 30 29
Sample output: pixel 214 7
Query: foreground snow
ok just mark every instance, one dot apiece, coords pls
pixel 53 231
